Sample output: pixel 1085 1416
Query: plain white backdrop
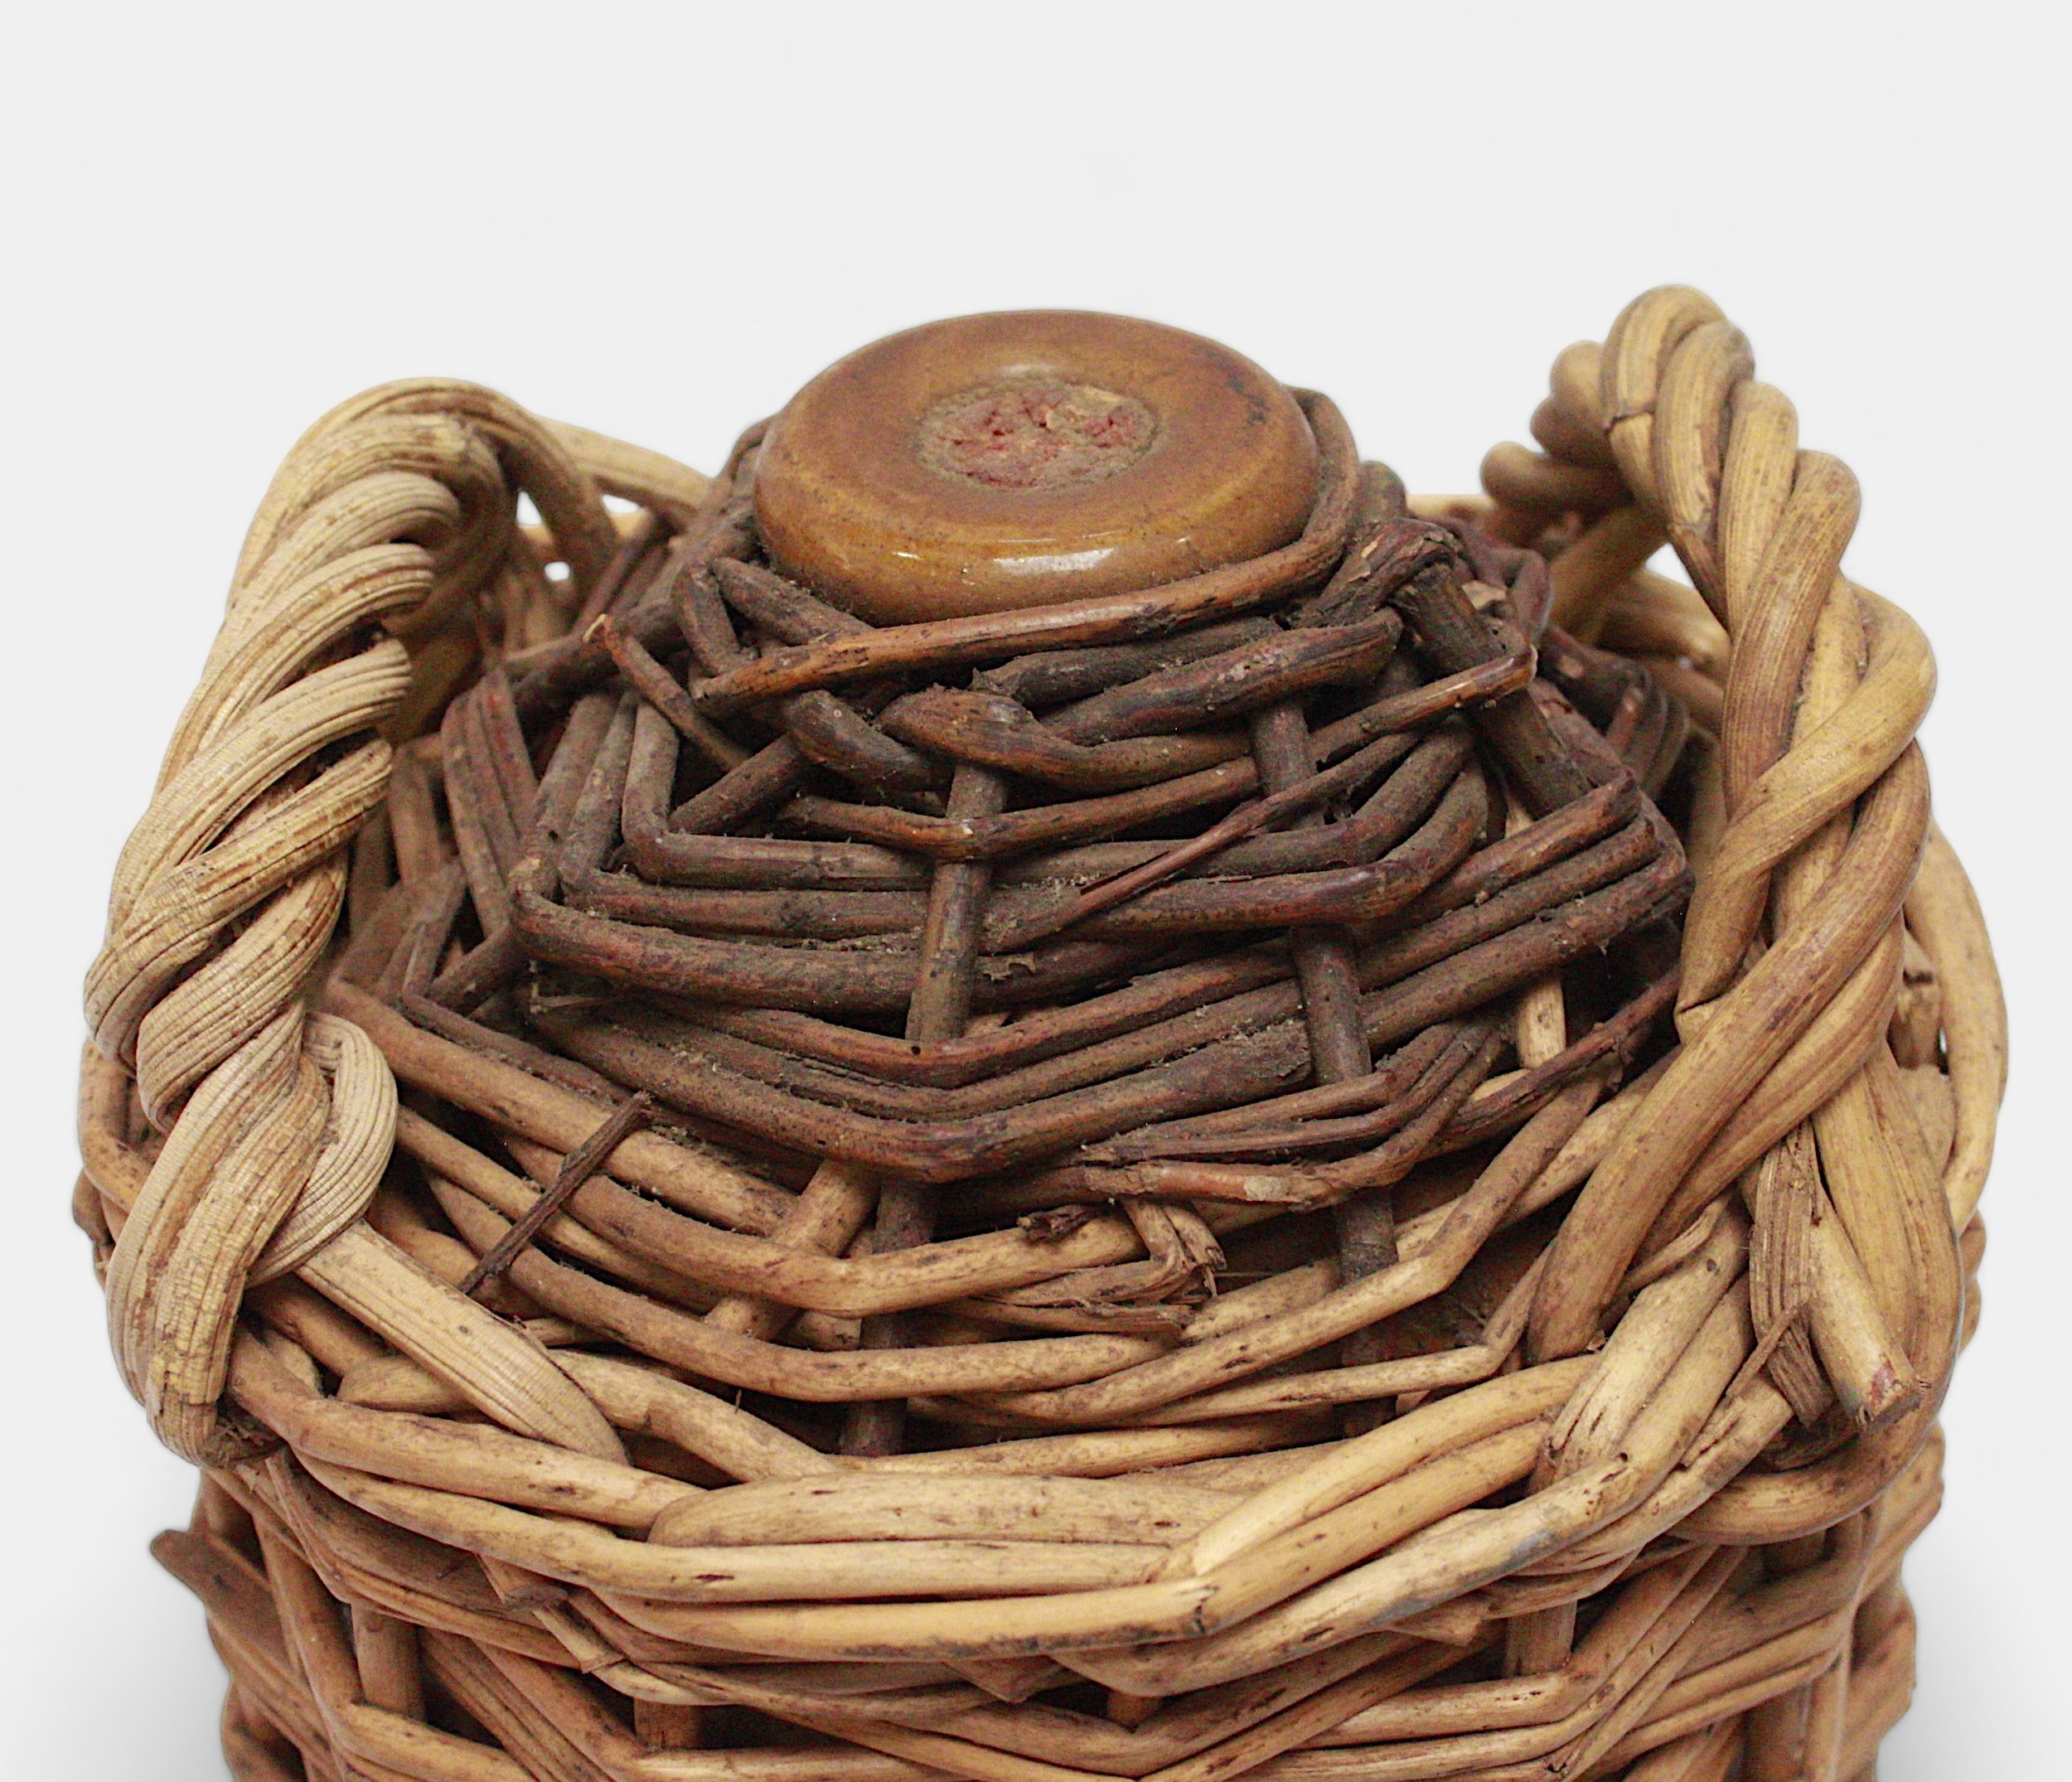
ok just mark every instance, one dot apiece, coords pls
pixel 659 220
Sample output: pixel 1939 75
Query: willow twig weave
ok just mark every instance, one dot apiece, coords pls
pixel 1360 1165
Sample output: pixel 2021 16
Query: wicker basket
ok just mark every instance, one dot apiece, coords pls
pixel 1416 1225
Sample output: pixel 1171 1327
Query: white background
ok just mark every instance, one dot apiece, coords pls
pixel 659 220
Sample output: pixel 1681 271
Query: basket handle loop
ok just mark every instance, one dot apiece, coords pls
pixel 389 516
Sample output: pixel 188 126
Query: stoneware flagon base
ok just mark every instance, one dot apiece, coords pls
pixel 1046 1086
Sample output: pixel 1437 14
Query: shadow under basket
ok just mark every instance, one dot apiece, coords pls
pixel 1361 1162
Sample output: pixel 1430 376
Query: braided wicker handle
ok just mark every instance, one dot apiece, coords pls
pixel 1815 809
pixel 389 516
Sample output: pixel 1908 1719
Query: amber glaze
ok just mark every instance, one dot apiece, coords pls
pixel 1001 461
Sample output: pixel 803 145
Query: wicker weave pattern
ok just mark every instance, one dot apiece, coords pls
pixel 1770 1245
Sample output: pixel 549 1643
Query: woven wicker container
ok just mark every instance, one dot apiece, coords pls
pixel 1351 1153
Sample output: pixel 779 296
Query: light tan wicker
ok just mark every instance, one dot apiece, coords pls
pixel 550 1432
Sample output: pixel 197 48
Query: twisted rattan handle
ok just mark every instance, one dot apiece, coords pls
pixel 1825 804
pixel 388 514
